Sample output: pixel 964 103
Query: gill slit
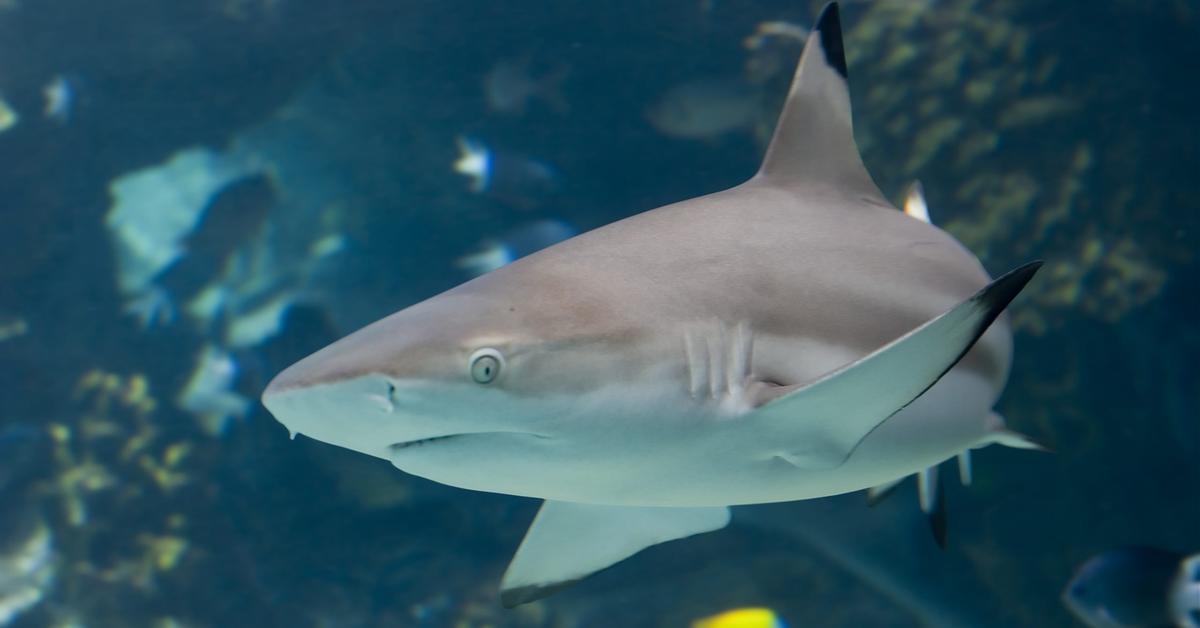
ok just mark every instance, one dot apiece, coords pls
pixel 719 359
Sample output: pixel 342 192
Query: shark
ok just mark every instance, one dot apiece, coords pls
pixel 790 338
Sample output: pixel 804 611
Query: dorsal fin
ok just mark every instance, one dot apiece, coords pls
pixel 814 138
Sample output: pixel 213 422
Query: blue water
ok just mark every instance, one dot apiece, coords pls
pixel 1066 132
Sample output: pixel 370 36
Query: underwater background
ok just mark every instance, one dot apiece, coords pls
pixel 195 194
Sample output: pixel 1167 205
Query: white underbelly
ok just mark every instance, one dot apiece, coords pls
pixel 950 417
pixel 663 460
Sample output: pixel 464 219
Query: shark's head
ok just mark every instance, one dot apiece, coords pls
pixel 489 378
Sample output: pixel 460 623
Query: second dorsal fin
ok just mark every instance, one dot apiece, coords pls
pixel 814 138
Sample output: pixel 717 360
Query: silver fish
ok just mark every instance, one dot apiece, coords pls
pixel 705 109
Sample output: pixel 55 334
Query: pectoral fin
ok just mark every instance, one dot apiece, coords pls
pixel 568 542
pixel 821 423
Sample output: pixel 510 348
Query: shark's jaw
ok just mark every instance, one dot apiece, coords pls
pixel 484 438
pixel 420 442
pixel 378 416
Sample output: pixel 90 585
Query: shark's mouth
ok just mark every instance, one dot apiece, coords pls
pixel 422 441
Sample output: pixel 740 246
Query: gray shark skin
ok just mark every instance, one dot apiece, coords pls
pixel 793 337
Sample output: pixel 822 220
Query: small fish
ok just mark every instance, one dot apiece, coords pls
pixel 769 49
pixel 515 244
pixel 209 393
pixel 474 162
pixel 59 96
pixel 511 85
pixel 705 109
pixel 742 618
pixel 232 213
pixel 232 216
pixel 8 116
pixel 513 179
pixel 1135 587
pixel 765 32
pixel 914 202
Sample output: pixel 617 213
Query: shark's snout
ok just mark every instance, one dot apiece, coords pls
pixel 284 393
pixel 281 383
pixel 358 413
pixel 293 407
pixel 381 385
pixel 276 398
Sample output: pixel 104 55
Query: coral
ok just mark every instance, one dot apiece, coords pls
pixel 116 478
pixel 985 122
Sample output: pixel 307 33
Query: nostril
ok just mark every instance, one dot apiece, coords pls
pixel 387 400
pixel 383 403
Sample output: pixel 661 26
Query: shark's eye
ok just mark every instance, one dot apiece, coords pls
pixel 485 365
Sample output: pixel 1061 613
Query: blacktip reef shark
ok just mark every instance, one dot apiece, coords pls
pixel 790 338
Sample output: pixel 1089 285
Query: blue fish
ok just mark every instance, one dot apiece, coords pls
pixel 1134 587
pixel 515 244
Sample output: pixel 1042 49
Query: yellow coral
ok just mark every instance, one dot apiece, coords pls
pixel 1036 110
pixel 163 552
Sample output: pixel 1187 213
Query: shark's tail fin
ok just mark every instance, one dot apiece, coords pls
pixel 999 434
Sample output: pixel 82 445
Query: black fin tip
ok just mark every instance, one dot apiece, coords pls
pixel 992 300
pixel 512 598
pixel 829 26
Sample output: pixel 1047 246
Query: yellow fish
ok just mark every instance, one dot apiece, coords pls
pixel 742 618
